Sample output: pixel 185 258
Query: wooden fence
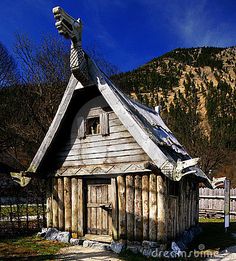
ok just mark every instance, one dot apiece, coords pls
pixel 211 202
pixel 22 210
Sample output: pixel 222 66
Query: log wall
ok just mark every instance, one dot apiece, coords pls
pixel 143 207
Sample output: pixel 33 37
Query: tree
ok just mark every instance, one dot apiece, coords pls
pixel 8 72
pixel 27 109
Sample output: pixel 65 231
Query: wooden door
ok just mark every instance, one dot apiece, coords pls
pixel 99 220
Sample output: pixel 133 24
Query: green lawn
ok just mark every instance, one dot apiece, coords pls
pixel 30 247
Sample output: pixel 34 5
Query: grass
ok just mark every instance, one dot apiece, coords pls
pixel 214 236
pixel 22 210
pixel 30 247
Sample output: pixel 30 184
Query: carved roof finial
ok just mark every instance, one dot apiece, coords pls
pixel 67 26
pixel 71 28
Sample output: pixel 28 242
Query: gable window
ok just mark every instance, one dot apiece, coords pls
pixel 93 126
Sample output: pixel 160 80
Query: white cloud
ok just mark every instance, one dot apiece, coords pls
pixel 193 22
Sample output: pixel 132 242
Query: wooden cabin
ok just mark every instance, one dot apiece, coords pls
pixel 113 167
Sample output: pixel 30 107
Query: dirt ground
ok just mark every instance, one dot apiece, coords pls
pixel 82 253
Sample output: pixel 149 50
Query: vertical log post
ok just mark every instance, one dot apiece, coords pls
pixel 61 219
pixel 145 206
pixel 114 209
pixel 153 207
pixel 161 212
pixel 122 207
pixel 55 204
pixel 185 200
pixel 67 202
pixel 130 206
pixel 74 203
pixel 189 193
pixel 138 222
pixel 49 203
pixel 81 209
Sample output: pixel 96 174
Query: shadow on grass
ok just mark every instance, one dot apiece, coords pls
pixel 214 236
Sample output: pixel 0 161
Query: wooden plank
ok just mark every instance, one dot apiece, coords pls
pixel 113 116
pixel 122 207
pixel 105 224
pixel 133 158
pixel 161 209
pixel 99 138
pixel 97 144
pixel 138 222
pixel 67 203
pixel 55 204
pixel 61 218
pixel 109 212
pixel 81 208
pixel 145 206
pixel 88 209
pixel 93 210
pixel 101 149
pixel 130 206
pixel 101 155
pixel 100 200
pixel 115 209
pixel 74 203
pixel 189 202
pixel 114 122
pixel 49 203
pixel 153 207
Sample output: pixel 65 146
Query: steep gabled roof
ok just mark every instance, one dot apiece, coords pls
pixel 143 123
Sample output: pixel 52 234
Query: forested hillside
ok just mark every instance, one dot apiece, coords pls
pixel 194 87
pixel 196 90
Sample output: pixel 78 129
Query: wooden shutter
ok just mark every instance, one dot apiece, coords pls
pixel 104 123
pixel 81 127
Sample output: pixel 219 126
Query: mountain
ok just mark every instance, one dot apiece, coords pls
pixel 195 88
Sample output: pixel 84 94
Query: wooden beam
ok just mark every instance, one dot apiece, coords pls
pixel 130 206
pixel 161 211
pixel 49 203
pixel 122 207
pixel 145 206
pixel 138 222
pixel 153 207
pixel 67 203
pixel 74 203
pixel 61 220
pixel 55 204
pixel 81 208
pixel 114 198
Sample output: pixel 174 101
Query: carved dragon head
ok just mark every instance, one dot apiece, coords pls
pixel 67 26
pixel 71 28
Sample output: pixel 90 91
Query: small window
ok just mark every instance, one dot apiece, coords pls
pixel 93 126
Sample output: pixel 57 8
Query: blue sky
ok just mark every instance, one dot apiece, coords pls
pixel 127 32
